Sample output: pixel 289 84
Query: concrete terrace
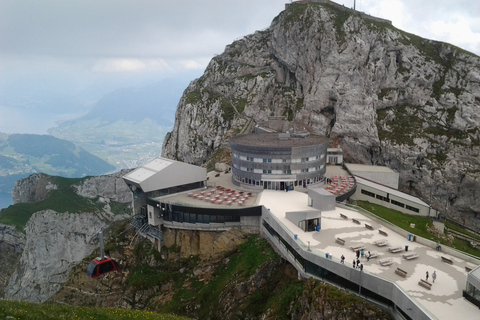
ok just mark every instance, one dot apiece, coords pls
pixel 444 300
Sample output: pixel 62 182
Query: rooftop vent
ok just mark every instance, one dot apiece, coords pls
pixel 284 136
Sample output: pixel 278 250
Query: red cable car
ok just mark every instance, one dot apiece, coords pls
pixel 103 264
pixel 99 267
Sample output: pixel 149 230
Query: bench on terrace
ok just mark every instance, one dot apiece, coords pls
pixel 381 243
pixel 447 260
pixel 410 256
pixel 401 273
pixel 368 226
pixel 340 241
pixel 383 233
pixel 359 247
pixel 356 221
pixel 343 216
pixel 395 249
pixel 385 262
pixel 425 284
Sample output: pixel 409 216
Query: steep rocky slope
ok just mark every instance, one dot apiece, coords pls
pixel 12 243
pixel 38 261
pixel 37 186
pixel 55 243
pixel 245 280
pixel 384 96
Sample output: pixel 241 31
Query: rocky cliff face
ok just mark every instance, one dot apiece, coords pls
pixel 38 262
pixel 384 96
pixel 36 187
pixel 55 243
pixel 247 281
pixel 12 243
pixel 109 186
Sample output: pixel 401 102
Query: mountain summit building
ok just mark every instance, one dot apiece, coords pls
pixel 278 161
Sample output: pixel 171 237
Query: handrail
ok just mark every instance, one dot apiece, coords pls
pixel 305 251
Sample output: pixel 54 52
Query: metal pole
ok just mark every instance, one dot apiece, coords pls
pixel 102 249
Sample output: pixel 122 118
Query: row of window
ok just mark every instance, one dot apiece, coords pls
pixel 270 171
pixel 276 160
pixel 394 202
pixel 186 217
pixel 278 185
pixel 474 293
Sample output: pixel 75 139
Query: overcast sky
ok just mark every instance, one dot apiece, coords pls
pixel 154 39
pixel 154 36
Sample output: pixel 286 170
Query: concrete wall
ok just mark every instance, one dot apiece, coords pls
pixel 247 224
pixel 423 210
pixel 389 179
pixel 321 199
pixel 154 216
pixel 366 280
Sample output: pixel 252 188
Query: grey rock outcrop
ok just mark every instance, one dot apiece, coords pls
pixel 37 186
pixel 110 186
pixel 384 96
pixel 12 243
pixel 55 242
pixel 40 261
pixel 34 188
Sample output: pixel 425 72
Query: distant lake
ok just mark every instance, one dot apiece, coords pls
pixel 5 199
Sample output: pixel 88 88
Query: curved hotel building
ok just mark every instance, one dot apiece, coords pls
pixel 278 161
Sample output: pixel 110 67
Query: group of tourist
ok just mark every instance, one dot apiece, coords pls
pixel 356 261
pixel 434 276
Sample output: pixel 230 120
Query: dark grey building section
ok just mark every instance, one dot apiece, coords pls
pixel 306 220
pixel 472 292
pixel 278 161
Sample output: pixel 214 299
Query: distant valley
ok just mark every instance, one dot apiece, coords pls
pixel 126 127
pixel 24 154
pixel 123 129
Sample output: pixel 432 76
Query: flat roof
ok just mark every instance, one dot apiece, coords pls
pixel 161 173
pixel 389 190
pixel 148 170
pixel 271 140
pixel 444 301
pixel 368 168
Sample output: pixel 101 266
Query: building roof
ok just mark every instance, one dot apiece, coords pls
pixel 444 300
pixel 474 277
pixel 357 168
pixel 272 140
pixel 162 173
pixel 392 191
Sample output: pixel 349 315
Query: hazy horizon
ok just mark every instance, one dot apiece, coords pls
pixel 59 57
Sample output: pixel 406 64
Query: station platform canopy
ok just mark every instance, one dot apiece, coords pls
pixel 161 173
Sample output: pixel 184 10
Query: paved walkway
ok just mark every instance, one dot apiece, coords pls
pixel 444 300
